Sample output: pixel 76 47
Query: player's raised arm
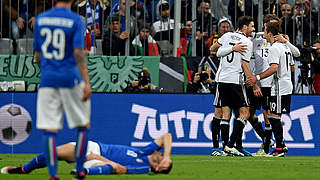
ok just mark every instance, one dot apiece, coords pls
pixel 165 141
pixel 285 39
pixel 80 57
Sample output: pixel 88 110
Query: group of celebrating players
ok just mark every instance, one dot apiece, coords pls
pixel 254 72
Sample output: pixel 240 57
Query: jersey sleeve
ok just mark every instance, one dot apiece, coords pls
pixel 150 148
pixel 247 55
pixel 295 51
pixel 221 39
pixel 274 55
pixel 36 36
pixel 79 31
pixel 292 61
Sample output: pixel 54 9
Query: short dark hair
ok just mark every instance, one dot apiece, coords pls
pixel 267 18
pixel 273 27
pixel 316 40
pixel 163 7
pixel 201 1
pixel 244 20
pixel 143 25
pixel 113 18
pixel 167 171
pixel 63 0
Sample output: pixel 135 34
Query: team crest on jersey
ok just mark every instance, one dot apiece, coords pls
pixel 111 74
pixel 139 160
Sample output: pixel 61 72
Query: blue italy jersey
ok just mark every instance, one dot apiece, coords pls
pixel 134 159
pixel 57 33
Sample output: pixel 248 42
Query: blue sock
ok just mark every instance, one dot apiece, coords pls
pixel 36 163
pixel 51 153
pixel 81 148
pixel 100 170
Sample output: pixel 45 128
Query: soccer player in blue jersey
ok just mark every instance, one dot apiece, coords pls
pixel 64 81
pixel 104 159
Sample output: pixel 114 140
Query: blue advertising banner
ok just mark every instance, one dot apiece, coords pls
pixel 136 119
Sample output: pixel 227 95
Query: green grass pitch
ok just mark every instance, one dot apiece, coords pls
pixel 196 167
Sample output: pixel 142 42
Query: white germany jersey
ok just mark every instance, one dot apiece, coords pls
pixel 230 70
pixel 281 83
pixel 260 62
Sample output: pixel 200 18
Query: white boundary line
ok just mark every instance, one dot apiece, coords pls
pixel 205 144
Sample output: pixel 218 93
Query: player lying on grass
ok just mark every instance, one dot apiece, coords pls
pixel 103 159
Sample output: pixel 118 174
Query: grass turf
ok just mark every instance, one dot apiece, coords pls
pixel 196 167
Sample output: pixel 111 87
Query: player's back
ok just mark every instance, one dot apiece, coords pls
pixel 230 69
pixel 57 32
pixel 124 155
pixel 282 79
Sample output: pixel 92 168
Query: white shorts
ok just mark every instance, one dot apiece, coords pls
pixel 94 148
pixel 53 102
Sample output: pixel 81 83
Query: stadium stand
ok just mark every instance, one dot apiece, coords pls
pixel 99 47
pixel 25 46
pixel 166 48
pixel 6 46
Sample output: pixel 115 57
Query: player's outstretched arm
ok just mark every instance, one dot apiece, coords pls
pixel 270 71
pixel 82 65
pixel 224 51
pixel 239 47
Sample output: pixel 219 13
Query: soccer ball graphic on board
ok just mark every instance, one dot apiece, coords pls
pixel 15 124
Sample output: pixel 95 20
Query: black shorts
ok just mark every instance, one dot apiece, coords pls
pixel 232 95
pixel 258 102
pixel 280 104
